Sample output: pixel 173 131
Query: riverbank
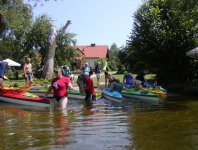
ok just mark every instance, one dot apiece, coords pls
pixel 186 89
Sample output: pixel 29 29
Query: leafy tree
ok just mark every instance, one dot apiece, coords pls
pixel 36 39
pixel 160 39
pixel 113 57
pixel 16 21
pixel 65 51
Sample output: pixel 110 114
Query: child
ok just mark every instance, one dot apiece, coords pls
pixel 89 87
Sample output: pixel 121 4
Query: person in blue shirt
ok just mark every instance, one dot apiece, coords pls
pixel 128 80
pixel 66 71
pixel 3 65
pixel 86 68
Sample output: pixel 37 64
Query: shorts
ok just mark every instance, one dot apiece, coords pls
pixel 88 97
pixel 137 83
pixel 128 86
pixel 98 75
pixel 28 77
pixel 58 98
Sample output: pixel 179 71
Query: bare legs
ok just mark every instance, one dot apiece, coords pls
pixel 62 104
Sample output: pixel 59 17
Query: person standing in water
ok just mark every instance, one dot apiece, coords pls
pixel 60 84
pixel 89 86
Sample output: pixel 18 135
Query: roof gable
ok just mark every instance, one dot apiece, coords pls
pixel 94 51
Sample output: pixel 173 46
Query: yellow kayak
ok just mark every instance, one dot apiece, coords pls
pixel 161 94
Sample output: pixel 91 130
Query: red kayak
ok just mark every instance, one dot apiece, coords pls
pixel 23 97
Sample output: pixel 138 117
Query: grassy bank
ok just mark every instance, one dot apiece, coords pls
pixel 188 89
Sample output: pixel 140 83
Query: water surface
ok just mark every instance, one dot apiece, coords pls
pixel 102 125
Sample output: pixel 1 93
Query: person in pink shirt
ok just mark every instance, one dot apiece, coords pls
pixel 27 68
pixel 60 84
pixel 89 86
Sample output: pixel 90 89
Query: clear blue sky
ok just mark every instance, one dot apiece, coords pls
pixel 103 22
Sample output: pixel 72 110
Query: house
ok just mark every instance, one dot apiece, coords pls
pixel 90 54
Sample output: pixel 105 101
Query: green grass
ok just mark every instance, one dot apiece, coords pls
pixel 21 80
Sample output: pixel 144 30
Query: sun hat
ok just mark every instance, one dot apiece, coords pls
pixel 86 73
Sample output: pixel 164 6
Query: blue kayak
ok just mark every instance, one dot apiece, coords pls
pixel 113 96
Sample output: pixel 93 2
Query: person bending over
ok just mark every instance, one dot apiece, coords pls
pixel 89 86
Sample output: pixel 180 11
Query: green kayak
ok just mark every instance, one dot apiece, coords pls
pixel 140 94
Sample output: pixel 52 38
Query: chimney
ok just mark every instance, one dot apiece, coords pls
pixel 93 44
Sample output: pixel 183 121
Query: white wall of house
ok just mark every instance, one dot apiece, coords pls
pixel 91 61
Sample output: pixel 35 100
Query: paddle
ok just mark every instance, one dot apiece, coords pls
pixel 14 84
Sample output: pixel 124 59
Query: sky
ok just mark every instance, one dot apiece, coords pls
pixel 102 22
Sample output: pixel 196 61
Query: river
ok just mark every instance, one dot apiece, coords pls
pixel 101 125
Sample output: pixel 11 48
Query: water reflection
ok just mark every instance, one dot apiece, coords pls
pixel 84 125
pixel 173 126
pixel 101 125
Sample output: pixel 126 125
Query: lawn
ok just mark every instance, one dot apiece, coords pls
pixel 21 81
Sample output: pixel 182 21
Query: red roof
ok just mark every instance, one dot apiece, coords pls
pixel 94 51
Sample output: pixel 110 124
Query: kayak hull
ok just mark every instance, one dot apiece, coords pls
pixel 142 95
pixel 41 91
pixel 113 96
pixel 16 97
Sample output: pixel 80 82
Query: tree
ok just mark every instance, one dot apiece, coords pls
pixel 160 39
pixel 36 39
pixel 49 58
pixel 16 21
pixel 113 57
pixel 65 51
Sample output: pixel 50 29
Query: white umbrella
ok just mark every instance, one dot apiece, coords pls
pixel 12 63
pixel 193 52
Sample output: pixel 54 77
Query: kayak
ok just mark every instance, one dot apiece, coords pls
pixel 41 91
pixel 140 94
pixel 74 94
pixel 37 90
pixel 23 97
pixel 162 94
pixel 155 89
pixel 113 96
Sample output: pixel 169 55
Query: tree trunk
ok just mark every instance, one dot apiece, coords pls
pixel 49 62
pixel 2 22
pixel 49 58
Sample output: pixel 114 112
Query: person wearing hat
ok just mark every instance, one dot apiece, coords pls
pixel 128 80
pixel 89 86
pixel 60 84
pixel 66 71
